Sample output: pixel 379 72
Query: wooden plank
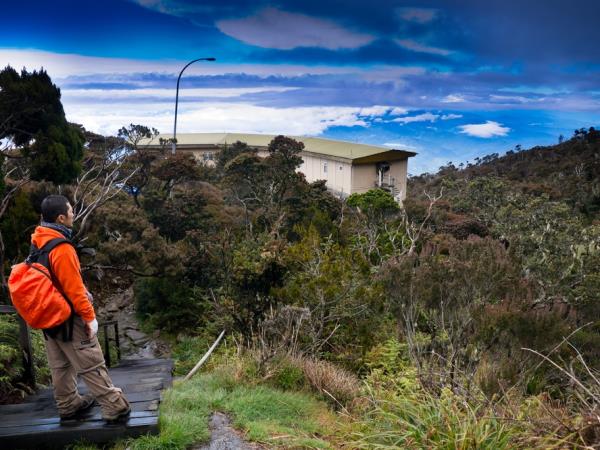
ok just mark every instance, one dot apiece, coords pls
pixel 48 409
pixel 94 416
pixel 57 436
pixel 32 416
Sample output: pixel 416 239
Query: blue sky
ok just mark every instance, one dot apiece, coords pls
pixel 451 80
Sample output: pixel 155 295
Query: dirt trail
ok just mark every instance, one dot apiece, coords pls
pixel 224 437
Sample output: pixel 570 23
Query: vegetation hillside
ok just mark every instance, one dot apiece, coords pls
pixel 468 318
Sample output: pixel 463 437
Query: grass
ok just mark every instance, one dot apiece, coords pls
pixel 265 414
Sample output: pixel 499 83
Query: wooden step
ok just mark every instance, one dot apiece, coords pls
pixel 35 422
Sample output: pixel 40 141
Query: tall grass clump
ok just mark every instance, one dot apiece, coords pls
pixel 423 420
pixel 400 411
pixel 330 380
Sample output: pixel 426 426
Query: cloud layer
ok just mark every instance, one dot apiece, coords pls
pixel 273 28
pixel 219 117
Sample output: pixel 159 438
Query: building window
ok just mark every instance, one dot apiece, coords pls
pixel 341 167
pixel 325 167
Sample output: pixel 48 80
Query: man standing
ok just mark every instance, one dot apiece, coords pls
pixel 74 351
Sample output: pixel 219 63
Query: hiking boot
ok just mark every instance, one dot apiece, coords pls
pixel 119 416
pixel 87 401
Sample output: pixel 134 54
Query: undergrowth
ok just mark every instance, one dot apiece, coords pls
pixel 279 406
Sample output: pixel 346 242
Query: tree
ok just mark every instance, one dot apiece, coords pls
pixel 32 119
pixel 264 186
pixel 229 152
pixel 135 139
pixel 334 285
pixel 36 141
pixel 175 169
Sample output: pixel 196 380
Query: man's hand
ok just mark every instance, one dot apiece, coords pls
pixel 91 328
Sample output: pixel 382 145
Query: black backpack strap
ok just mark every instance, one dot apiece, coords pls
pixel 43 254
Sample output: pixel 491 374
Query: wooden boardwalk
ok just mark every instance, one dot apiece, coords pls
pixel 35 423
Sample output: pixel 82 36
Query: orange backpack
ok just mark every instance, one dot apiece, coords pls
pixel 35 293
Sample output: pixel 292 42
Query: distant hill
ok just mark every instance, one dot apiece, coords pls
pixel 568 172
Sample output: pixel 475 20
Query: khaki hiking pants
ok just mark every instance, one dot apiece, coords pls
pixel 81 356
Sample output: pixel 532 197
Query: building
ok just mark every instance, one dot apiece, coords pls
pixel 345 166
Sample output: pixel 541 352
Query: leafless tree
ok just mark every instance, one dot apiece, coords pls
pixel 96 186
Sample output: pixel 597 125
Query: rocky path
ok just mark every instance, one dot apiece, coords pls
pixel 134 342
pixel 224 437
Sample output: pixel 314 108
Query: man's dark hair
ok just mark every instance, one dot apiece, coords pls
pixel 53 206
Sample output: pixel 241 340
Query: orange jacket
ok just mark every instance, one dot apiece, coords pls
pixel 66 269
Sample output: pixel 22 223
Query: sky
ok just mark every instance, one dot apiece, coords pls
pixel 451 80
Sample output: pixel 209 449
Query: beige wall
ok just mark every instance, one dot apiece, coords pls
pixel 398 170
pixel 363 177
pixel 338 175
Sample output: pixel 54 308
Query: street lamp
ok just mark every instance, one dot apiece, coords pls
pixel 174 144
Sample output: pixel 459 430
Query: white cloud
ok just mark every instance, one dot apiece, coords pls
pixel 398 111
pixel 136 94
pixel 418 15
pixel 375 110
pixel 485 130
pixel 425 117
pixel 450 116
pixel 215 117
pixel 415 46
pixel 272 28
pixel 453 98
pixel 400 146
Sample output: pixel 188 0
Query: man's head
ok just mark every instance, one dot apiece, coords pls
pixel 57 209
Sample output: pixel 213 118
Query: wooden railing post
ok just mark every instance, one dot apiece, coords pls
pixel 106 347
pixel 25 341
pixel 107 339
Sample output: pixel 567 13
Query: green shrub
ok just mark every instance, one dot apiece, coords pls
pixel 288 376
pixel 11 366
pixel 11 361
pixel 168 304
pixel 375 202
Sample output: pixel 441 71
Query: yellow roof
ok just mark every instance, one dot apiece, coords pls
pixel 340 149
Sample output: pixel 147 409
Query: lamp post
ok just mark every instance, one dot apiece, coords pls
pixel 174 144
